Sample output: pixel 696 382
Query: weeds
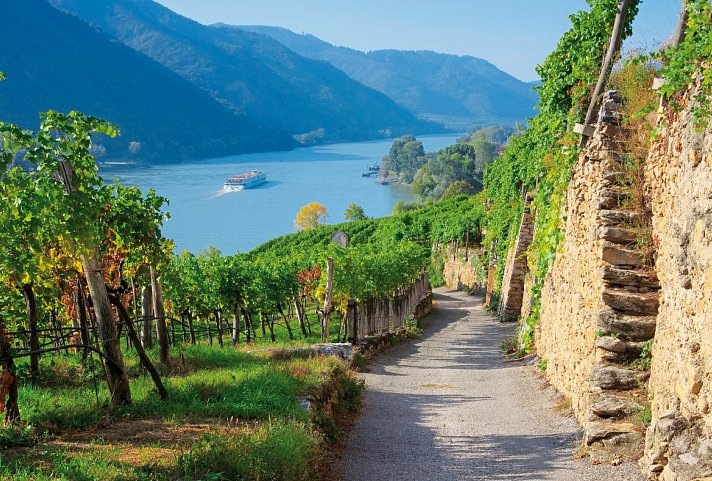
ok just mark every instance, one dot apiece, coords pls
pixel 645 357
pixel 542 365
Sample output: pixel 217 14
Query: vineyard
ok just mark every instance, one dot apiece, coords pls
pixel 100 320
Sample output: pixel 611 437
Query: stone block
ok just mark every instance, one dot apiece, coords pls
pixel 635 303
pixel 610 407
pixel 626 277
pixel 619 217
pixel 614 378
pixel 634 328
pixel 610 343
pixel 600 430
pixel 618 235
pixel 620 256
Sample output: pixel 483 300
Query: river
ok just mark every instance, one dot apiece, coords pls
pixel 203 215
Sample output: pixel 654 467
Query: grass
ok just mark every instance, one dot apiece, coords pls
pixel 231 414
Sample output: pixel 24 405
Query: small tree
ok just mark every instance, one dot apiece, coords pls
pixel 310 216
pixel 354 212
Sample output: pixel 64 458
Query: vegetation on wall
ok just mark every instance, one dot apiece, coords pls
pixel 540 159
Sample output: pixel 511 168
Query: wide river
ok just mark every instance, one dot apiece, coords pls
pixel 203 215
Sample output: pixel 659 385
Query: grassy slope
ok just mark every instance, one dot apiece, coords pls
pixel 230 411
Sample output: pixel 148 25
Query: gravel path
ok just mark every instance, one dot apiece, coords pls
pixel 447 407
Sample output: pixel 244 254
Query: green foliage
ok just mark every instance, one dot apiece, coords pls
pixel 354 212
pixel 645 357
pixel 404 158
pixel 540 158
pixel 542 365
pixel 645 414
pixel 456 163
pixel 693 56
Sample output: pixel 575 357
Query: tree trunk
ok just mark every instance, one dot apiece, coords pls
pixel 209 329
pixel 235 327
pixel 218 321
pixel 131 334
pixel 262 324
pixel 300 318
pixel 147 317
pixel 160 315
pixel 116 376
pixel 270 325
pixel 12 408
pixel 32 324
pixel 248 325
pixel 286 322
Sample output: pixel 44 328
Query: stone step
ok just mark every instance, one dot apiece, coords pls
pixel 618 235
pixel 609 406
pixel 635 303
pixel 627 277
pixel 614 178
pixel 610 198
pixel 617 255
pixel 615 378
pixel 634 328
pixel 600 430
pixel 619 217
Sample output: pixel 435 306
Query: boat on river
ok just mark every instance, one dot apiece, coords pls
pixel 246 180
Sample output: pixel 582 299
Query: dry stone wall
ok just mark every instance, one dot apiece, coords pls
pixel 679 180
pixel 516 268
pixel 462 272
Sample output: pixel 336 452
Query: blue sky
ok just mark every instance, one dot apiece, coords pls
pixel 515 35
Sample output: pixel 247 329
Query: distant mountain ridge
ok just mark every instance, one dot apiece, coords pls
pixel 456 90
pixel 54 61
pixel 252 74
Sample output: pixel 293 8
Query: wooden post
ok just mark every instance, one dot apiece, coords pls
pixel 147 317
pixel 613 47
pixel 353 311
pixel 116 374
pixel 161 330
pixel 327 297
pixel 235 327
pixel 679 34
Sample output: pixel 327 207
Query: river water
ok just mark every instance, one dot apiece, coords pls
pixel 203 215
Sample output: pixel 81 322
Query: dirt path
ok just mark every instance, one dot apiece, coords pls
pixel 447 407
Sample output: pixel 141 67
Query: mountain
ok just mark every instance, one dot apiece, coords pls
pixel 252 74
pixel 54 61
pixel 458 90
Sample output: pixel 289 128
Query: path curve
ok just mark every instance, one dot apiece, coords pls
pixel 446 407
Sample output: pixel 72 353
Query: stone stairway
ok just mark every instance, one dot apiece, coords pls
pixel 630 295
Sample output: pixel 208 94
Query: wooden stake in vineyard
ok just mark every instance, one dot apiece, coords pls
pixel 327 298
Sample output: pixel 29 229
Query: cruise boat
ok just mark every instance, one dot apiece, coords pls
pixel 246 180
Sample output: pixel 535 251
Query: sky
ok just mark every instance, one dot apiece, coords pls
pixel 515 35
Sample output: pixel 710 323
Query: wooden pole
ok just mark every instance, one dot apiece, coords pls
pixel 679 34
pixel 327 297
pixel 613 47
pixel 159 313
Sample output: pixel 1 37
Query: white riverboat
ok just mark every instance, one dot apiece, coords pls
pixel 246 180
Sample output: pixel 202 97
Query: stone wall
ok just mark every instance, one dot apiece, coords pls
pixel 679 178
pixel 516 268
pixel 570 298
pixel 464 273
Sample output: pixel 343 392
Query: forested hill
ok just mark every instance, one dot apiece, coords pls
pixel 54 61
pixel 252 73
pixel 458 90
